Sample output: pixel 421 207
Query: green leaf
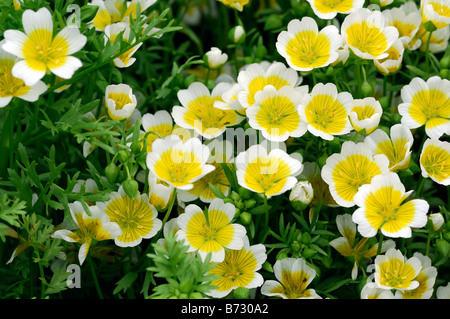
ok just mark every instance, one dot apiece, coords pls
pixel 58 282
pixel 126 282
pixel 10 211
pixel 216 191
pixel 418 72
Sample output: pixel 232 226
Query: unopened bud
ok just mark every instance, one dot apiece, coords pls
pixel 131 187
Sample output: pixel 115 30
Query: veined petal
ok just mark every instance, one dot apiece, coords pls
pixel 41 19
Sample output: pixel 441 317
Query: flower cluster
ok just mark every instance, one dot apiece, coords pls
pixel 165 149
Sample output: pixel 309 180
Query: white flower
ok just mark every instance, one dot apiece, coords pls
pixel 40 50
pixel 215 58
pixel 303 192
pixel 120 101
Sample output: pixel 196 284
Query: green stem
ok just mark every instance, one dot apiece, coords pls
pixel 363 69
pixel 314 77
pixel 380 243
pixel 6 140
pixel 94 276
pixel 207 76
pixel 427 250
pixel 266 206
pixel 427 51
pixel 420 187
pixel 358 78
pixel 236 64
pixel 169 210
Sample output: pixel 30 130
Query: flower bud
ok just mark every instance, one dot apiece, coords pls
pixel 228 200
pixel 235 196
pixel 384 102
pixel 306 238
pixel 295 246
pixel 112 172
pixel 245 193
pixel 237 213
pixel 236 34
pixel 267 267
pixel 135 147
pixel 437 219
pixel 250 203
pixel 246 218
pixel 281 255
pixel 123 155
pixel 302 192
pixel 444 63
pixel 131 187
pixel 367 89
pixel 308 252
pixel 214 58
pixel 273 22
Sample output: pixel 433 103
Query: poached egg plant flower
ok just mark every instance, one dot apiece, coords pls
pixel 275 113
pixel 179 164
pixel 96 227
pixel 270 173
pixel 211 231
pixel 382 206
pixel 367 34
pixel 41 52
pixel 305 48
pixel 426 103
pixel 394 271
pixel 354 166
pixel 327 10
pixel 294 276
pixel 136 217
pixel 11 87
pixel 435 161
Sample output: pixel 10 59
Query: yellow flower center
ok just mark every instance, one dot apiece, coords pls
pixel 326 114
pixel 267 175
pixel 353 172
pixel 41 51
pixel 396 274
pixel 202 115
pixel 404 29
pixel 441 8
pixel 134 217
pixel 259 82
pixel 367 38
pixel 237 270
pixel 10 85
pixel 121 99
pixel 278 115
pixel 293 285
pixel 327 6
pixel 430 107
pixel 178 168
pixel 395 151
pixel 217 178
pixel 309 49
pixel 89 229
pixel 436 162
